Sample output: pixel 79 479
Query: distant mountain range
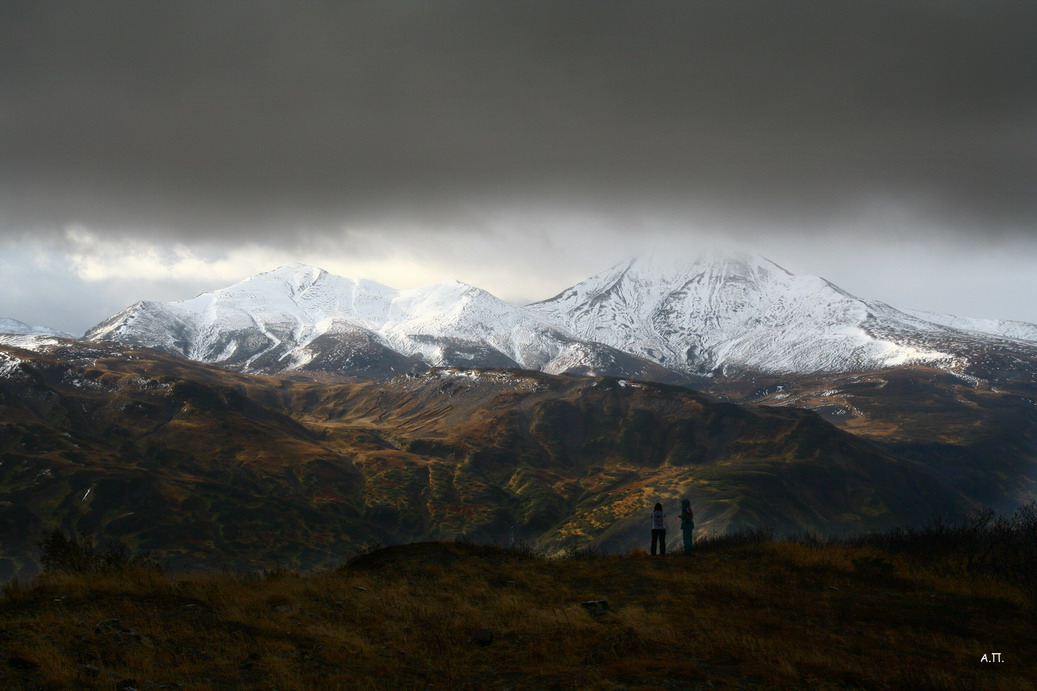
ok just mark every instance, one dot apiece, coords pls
pixel 299 317
pixel 722 314
pixel 398 415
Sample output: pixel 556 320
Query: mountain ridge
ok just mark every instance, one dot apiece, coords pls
pixel 269 322
pixel 670 319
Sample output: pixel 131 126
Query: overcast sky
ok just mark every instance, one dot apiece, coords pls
pixel 153 150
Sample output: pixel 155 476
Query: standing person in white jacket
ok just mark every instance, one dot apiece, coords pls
pixel 659 530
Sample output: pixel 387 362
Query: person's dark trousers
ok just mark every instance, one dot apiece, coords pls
pixel 659 538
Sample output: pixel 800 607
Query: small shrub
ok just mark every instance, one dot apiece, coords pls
pixel 524 550
pixel 279 572
pixel 367 548
pixel 874 567
pixel 584 553
pixel 61 553
pixel 740 538
pixel 815 540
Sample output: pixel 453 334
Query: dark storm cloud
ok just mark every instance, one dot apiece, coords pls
pixel 189 117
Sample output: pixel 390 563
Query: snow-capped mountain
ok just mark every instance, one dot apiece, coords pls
pixel 13 326
pixel 268 318
pixel 668 320
pixel 302 317
pixel 736 312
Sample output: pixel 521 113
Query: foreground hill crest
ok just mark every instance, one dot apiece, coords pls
pixel 667 319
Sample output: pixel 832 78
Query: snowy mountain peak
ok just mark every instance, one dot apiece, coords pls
pixel 652 276
pixel 298 276
pixel 715 260
pixel 448 287
pixel 724 309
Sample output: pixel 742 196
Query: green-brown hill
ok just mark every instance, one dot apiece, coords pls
pixel 980 434
pixel 207 468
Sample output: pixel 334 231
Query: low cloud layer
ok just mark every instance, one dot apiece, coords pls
pixel 196 118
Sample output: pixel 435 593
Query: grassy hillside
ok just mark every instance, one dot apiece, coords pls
pixel 981 434
pixel 210 469
pixel 739 613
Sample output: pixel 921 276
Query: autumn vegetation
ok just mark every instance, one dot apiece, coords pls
pixel 903 609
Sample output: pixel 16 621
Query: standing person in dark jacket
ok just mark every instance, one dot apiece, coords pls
pixel 687 525
pixel 659 529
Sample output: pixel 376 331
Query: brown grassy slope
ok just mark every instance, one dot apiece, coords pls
pixel 979 433
pixel 411 617
pixel 209 468
pixel 164 455
pixel 597 452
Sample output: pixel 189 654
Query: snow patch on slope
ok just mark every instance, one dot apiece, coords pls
pixel 9 366
pixel 32 342
pixel 1023 331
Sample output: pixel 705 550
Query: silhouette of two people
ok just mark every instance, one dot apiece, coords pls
pixel 659 527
